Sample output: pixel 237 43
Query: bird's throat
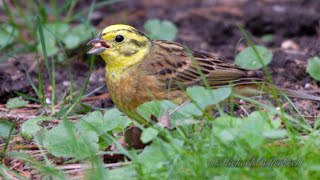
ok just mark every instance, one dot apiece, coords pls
pixel 119 65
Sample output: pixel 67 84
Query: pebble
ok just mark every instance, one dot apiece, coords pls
pixel 48 101
pixel 289 44
pixel 279 8
pixel 307 86
pixel 66 83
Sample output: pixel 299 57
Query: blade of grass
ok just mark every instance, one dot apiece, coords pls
pixel 97 5
pixel 71 90
pixel 296 109
pixel 90 11
pixel 3 154
pixel 40 5
pixel 60 43
pixel 70 10
pixel 9 14
pixel 43 46
pixel 269 78
pixel 316 123
pixel 40 85
pixel 53 84
pixel 45 170
pixel 36 138
pixel 54 5
pixel 21 12
pixel 283 115
pixel 95 90
pixel 92 107
pixel 83 89
pixel 4 174
pixel 25 96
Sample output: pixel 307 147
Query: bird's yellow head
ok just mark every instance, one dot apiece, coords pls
pixel 120 46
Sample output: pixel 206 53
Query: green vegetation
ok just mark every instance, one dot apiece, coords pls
pixel 16 103
pixel 200 146
pixel 313 67
pixel 246 59
pixel 163 30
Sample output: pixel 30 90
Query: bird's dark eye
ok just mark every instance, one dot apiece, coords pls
pixel 119 38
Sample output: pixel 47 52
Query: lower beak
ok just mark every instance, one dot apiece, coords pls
pixel 98 46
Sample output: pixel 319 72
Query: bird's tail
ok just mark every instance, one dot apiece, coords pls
pixel 297 94
pixel 258 89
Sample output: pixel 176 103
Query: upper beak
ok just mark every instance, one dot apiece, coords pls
pixel 99 46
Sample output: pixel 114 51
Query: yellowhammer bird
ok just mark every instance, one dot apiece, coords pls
pixel 140 69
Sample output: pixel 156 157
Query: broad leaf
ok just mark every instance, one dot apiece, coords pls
pixel 313 68
pixel 163 30
pixel 16 103
pixel 248 59
pixel 31 128
pixel 5 127
pixel 62 142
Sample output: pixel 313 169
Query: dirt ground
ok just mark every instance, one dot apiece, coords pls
pixel 207 25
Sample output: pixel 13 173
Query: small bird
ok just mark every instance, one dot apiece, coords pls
pixel 139 69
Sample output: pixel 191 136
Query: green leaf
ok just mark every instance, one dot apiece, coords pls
pixel 50 43
pixel 58 28
pixel 149 134
pixel 7 35
pixel 82 30
pixel 267 37
pixel 252 128
pixel 275 134
pixel 313 67
pixel 205 97
pixel 93 121
pixel 60 142
pixel 5 127
pixel 113 119
pixel 16 103
pixel 158 155
pixel 189 110
pixel 71 41
pixel 31 128
pixel 163 30
pixel 120 173
pixel 155 108
pixel 71 37
pixel 227 128
pixel 247 58
pixel 159 108
pixel 223 122
pixel 78 34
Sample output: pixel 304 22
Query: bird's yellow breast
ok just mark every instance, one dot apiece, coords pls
pixel 134 88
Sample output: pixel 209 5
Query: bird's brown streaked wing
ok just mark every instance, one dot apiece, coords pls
pixel 170 62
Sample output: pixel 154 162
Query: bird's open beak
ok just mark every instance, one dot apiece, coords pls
pixel 98 44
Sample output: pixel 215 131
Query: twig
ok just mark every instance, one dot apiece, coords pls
pixel 85 166
pixel 179 107
pixel 244 110
pixel 15 115
pixel 9 175
pixel 102 96
pixel 20 147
